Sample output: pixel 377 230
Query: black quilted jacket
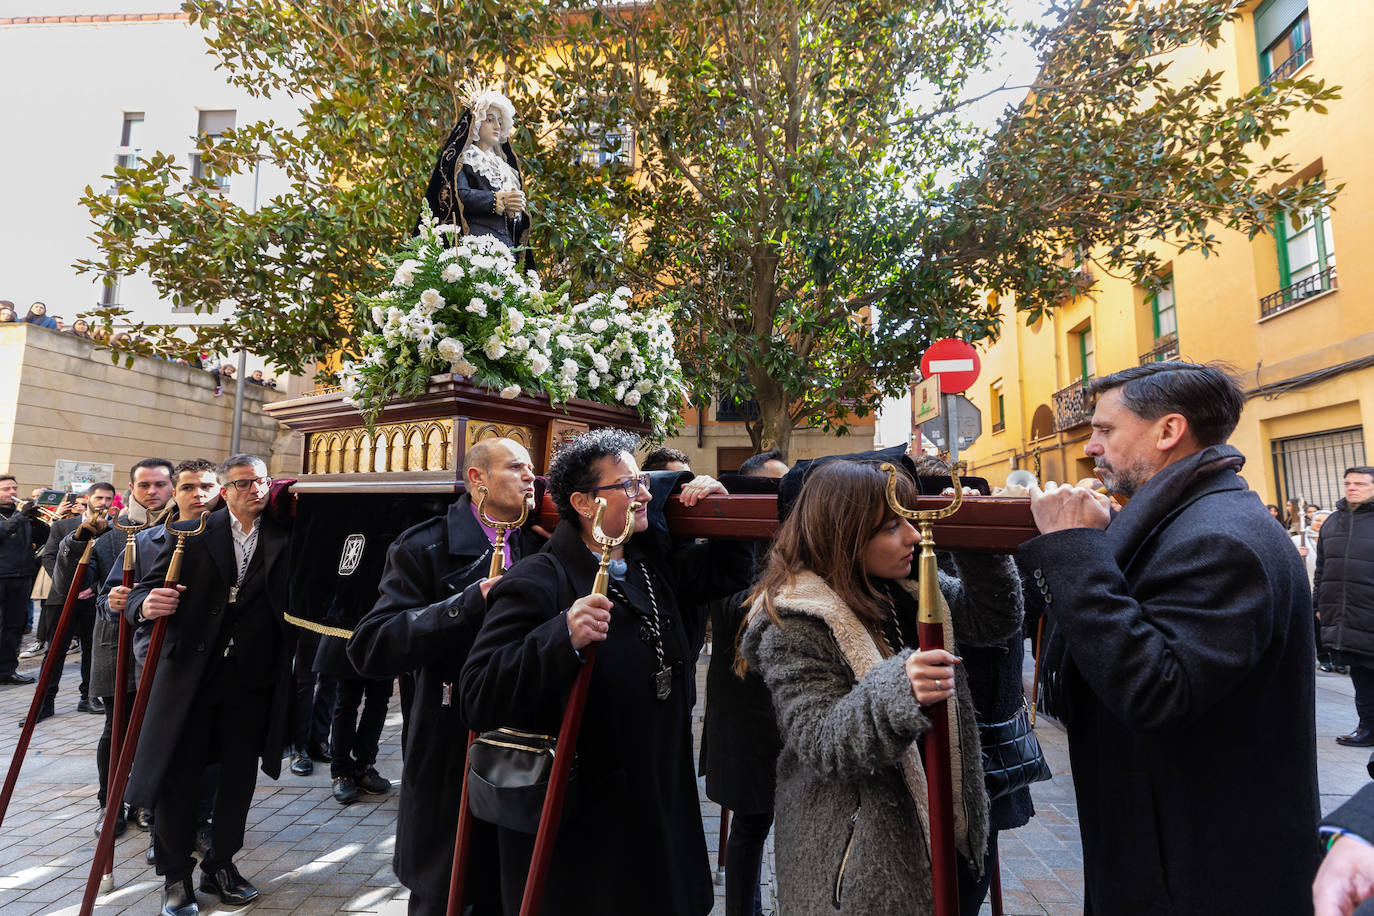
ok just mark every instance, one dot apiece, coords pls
pixel 1343 587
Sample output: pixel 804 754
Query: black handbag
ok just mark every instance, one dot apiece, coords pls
pixel 1012 758
pixel 508 774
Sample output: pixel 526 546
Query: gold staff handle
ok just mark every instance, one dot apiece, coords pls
pixel 174 567
pixel 498 553
pixel 603 569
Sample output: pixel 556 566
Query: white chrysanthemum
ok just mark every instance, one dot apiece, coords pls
pixel 489 290
pixel 464 368
pixel 483 262
pixel 510 391
pixel 477 307
pixel 541 337
pixel 620 391
pixel 395 317
pixel 539 363
pixel 516 320
pixel 378 315
pixel 450 349
pixel 600 362
pixel 452 273
pixel 405 274
pixel 622 319
pixel 593 380
pixel 631 398
pixel 622 293
pixel 519 343
pixel 569 369
pixel 565 341
pixel 644 386
pixel 625 372
pixel 599 325
pixel 494 348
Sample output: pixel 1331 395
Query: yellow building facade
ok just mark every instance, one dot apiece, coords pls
pixel 1299 331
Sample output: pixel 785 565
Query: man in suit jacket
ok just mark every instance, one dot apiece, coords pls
pixel 425 622
pixel 1185 658
pixel 222 686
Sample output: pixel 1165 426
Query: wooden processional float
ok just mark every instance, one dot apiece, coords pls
pixel 412 455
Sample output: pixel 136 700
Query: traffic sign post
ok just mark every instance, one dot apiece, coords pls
pixel 956 363
pixel 969 422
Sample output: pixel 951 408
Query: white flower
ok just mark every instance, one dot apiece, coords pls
pixel 593 380
pixel 405 274
pixel 621 293
pixel 395 317
pixel 448 254
pixel 431 301
pixel 599 325
pixel 483 262
pixel 516 319
pixel 494 348
pixel 539 363
pixel 645 386
pixel 450 349
pixel 631 398
pixel 541 337
pixel 452 273
pixel 519 344
pixel 600 363
pixel 565 341
pixel 488 290
pixel 569 369
pixel 477 307
pixel 378 315
pixel 622 319
pixel 464 368
pixel 510 391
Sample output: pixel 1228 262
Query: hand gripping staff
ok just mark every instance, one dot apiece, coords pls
pixel 45 677
pixel 119 777
pixel 572 722
pixel 937 757
pixel 462 840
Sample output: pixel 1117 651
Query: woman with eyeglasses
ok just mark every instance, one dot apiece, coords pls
pixel 634 841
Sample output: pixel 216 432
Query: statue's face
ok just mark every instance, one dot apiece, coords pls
pixel 489 130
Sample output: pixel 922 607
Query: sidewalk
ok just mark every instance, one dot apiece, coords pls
pixel 309 855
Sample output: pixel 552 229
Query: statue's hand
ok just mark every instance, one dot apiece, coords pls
pixel 511 202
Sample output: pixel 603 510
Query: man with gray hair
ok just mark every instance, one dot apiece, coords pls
pixel 222 688
pixel 1182 660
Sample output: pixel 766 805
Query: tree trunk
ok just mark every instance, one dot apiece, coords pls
pixel 774 426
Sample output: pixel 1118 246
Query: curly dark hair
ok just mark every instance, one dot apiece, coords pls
pixel 571 470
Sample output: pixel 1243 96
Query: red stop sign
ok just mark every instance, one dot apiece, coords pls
pixel 954 361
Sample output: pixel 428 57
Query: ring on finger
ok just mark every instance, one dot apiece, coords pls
pixel 937 684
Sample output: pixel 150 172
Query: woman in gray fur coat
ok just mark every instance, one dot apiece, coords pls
pixel 832 632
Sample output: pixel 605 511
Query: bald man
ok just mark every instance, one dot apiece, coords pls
pixel 428 614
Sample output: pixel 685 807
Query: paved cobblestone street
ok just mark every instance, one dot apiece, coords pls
pixel 309 855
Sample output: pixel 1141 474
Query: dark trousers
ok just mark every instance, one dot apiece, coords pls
pixel 355 738
pixel 1362 677
pixel 312 703
pixel 227 724
pixel 973 889
pixel 14 613
pixel 1323 657
pixel 743 859
pixel 47 620
pixel 82 629
pixel 102 748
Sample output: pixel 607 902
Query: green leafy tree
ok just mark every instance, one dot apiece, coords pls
pixel 801 179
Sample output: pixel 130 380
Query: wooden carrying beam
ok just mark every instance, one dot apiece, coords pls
pixel 984 523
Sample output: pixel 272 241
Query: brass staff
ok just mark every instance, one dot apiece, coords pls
pixel 45 677
pixel 498 553
pixel 931 629
pixel 572 723
pixel 104 848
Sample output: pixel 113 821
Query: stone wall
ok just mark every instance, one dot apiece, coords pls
pixel 62 397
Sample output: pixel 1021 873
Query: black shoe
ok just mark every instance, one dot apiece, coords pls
pixel 93 705
pixel 120 825
pixel 151 855
pixel 1327 667
pixel 203 841
pixel 232 887
pixel 319 752
pixel 143 818
pixel 1342 669
pixel 301 764
pixel 46 711
pixel 345 790
pixel 179 900
pixel 1360 737
pixel 371 782
pixel 17 679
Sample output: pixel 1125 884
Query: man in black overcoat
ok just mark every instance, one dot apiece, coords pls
pixel 424 622
pixel 22 533
pixel 222 686
pixel 1184 646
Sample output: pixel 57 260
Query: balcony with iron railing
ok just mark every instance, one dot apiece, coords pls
pixel 1294 293
pixel 1072 406
pixel 1165 347
pixel 1301 55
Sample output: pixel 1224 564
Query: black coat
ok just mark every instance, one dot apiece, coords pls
pixel 107 561
pixel 208 570
pixel 1343 585
pixel 1356 815
pixel 638 846
pixel 425 622
pixel 1185 653
pixel 48 557
pixel 21 539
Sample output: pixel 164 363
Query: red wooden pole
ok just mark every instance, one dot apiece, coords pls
pixel 462 842
pixel 558 787
pixel 120 701
pixel 45 677
pixel 940 785
pixel 996 885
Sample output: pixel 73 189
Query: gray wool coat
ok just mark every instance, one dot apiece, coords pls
pixel 851 828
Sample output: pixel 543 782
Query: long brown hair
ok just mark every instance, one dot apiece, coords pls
pixel 841 506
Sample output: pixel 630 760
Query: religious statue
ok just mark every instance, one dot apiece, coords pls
pixel 476 182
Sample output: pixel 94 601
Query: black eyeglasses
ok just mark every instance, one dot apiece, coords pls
pixel 630 486
pixel 247 482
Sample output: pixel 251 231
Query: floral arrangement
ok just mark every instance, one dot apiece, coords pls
pixel 461 304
